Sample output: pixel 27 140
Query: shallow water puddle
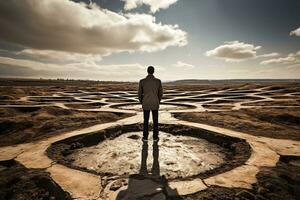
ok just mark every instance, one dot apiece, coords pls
pixel 178 156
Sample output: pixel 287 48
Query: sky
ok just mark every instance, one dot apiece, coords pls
pixel 116 40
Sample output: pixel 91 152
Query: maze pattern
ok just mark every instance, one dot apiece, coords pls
pixel 173 100
pixel 83 185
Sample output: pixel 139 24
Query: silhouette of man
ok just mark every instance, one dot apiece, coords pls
pixel 150 94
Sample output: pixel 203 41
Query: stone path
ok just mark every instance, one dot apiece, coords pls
pixel 83 185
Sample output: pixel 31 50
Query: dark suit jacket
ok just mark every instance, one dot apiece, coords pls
pixel 150 92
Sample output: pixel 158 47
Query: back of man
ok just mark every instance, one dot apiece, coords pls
pixel 150 94
pixel 151 87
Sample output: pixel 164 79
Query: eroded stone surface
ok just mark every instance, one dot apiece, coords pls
pixel 243 177
pixel 179 156
pixel 188 187
pixel 138 107
pixel 80 185
pixel 262 155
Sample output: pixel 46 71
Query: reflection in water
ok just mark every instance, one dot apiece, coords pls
pixel 122 156
pixel 148 185
pixel 143 170
pixel 155 166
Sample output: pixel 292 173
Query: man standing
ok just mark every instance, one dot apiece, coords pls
pixel 150 94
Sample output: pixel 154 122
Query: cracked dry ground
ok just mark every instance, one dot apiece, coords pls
pixel 232 141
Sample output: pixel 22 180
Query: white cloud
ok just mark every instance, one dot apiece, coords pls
pixel 58 56
pixel 64 25
pixel 30 64
pixel 292 58
pixel 268 55
pixel 91 70
pixel 296 32
pixel 234 51
pixel 183 65
pixel 155 5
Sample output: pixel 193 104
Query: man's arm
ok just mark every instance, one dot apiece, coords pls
pixel 160 91
pixel 140 92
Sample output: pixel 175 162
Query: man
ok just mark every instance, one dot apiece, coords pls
pixel 150 94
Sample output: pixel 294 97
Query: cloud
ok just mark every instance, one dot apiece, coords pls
pixel 58 56
pixel 183 65
pixel 292 58
pixel 296 32
pixel 268 55
pixel 91 70
pixel 67 26
pixel 294 66
pixel 155 5
pixel 36 65
pixel 234 51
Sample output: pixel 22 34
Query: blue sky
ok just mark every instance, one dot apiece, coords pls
pixel 204 39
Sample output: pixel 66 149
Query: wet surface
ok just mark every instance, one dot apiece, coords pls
pixel 180 156
pixel 138 107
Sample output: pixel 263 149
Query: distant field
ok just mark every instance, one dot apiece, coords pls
pixel 42 120
pixel 26 124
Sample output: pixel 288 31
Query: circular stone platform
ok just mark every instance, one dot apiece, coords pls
pixel 165 107
pixel 179 156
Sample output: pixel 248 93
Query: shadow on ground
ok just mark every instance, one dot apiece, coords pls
pixel 148 185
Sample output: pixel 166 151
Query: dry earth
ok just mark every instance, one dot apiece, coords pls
pixel 220 140
pixel 281 123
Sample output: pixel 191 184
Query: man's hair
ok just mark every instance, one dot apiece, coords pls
pixel 150 70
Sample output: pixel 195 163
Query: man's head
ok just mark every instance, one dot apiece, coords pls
pixel 150 70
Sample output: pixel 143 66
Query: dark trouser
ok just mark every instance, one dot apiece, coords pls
pixel 146 124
